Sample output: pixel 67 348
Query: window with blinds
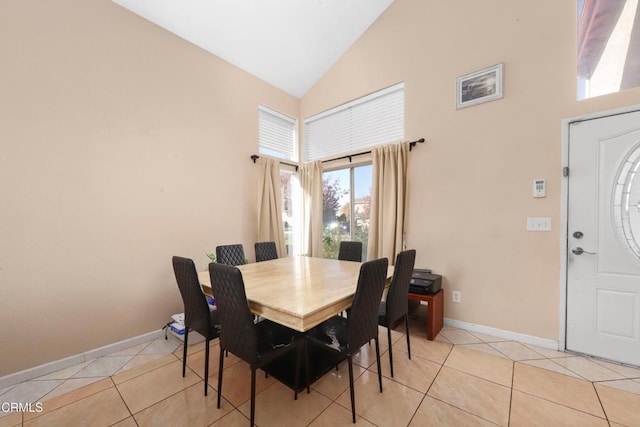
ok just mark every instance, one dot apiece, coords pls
pixel 277 134
pixel 356 126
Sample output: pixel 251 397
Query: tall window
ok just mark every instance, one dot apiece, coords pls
pixel 608 46
pixel 352 128
pixel 277 137
pixel 346 208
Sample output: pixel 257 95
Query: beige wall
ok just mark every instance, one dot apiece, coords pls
pixel 117 141
pixel 120 146
pixel 470 185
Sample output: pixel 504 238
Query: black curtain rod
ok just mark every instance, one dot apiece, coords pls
pixel 255 157
pixel 349 156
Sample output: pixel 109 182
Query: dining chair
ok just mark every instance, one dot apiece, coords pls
pixel 350 251
pixel 345 336
pixel 396 306
pixel 230 255
pixel 258 344
pixel 197 314
pixel 266 251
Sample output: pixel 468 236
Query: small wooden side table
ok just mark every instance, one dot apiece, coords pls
pixel 435 311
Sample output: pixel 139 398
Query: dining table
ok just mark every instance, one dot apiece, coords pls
pixel 299 292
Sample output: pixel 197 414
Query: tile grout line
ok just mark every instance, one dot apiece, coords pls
pixel 513 374
pixel 606 417
pixel 426 393
pixel 67 404
pixel 566 406
pixel 430 385
pixel 454 406
pixel 115 386
pixel 144 373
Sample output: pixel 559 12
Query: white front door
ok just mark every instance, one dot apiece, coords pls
pixel 603 254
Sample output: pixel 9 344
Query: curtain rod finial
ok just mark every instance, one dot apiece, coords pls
pixel 254 157
pixel 411 144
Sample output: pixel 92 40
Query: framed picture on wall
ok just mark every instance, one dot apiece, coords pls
pixel 478 87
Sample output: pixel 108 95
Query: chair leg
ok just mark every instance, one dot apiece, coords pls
pixel 378 361
pixel 406 323
pixel 353 399
pixel 253 395
pixel 206 366
pixel 220 375
pixel 390 350
pixel 296 382
pixel 184 352
pixel 306 363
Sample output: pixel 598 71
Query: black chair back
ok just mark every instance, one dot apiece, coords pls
pixel 363 317
pixel 350 251
pixel 197 315
pixel 266 251
pixel 237 330
pixel 397 301
pixel 230 254
pixel 196 309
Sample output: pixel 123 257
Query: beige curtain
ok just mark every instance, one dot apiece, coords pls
pixel 311 183
pixel 270 226
pixel 388 193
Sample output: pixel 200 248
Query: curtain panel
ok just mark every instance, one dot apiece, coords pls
pixel 311 183
pixel 270 225
pixel 388 200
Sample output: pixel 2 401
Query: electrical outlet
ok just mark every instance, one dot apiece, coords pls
pixel 456 296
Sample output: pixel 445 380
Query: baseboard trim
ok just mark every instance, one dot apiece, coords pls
pixel 500 333
pixel 47 368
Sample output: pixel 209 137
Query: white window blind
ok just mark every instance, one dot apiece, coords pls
pixel 356 126
pixel 276 134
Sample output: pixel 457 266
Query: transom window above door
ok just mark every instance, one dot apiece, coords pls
pixel 608 46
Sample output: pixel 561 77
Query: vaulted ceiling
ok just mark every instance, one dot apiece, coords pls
pixel 288 43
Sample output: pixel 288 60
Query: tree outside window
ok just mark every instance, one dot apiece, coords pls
pixel 346 208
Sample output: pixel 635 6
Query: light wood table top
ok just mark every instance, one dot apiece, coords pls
pixel 298 292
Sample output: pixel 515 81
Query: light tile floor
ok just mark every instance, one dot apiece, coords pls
pixel 460 379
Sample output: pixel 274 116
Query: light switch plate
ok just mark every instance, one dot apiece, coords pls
pixel 539 224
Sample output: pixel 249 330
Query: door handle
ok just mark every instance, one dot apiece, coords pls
pixel 579 251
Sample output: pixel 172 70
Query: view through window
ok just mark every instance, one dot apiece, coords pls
pixel 608 46
pixel 288 185
pixel 346 208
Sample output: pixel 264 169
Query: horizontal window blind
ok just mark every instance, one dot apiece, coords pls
pixel 356 126
pixel 276 134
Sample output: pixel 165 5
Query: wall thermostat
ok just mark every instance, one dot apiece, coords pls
pixel 539 188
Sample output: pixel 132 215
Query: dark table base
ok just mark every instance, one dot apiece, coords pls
pixel 320 362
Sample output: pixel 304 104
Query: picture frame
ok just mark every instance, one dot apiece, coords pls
pixel 478 87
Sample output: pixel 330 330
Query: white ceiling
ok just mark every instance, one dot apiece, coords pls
pixel 288 43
